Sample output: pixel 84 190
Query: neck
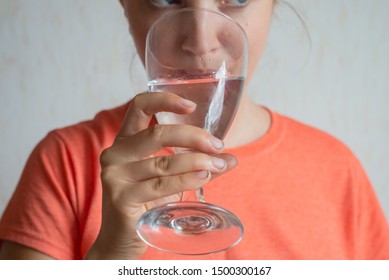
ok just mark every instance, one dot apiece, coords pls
pixel 251 122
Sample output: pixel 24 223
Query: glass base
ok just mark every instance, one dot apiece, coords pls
pixel 190 228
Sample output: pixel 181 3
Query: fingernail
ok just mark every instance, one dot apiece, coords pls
pixel 218 163
pixel 203 174
pixel 233 162
pixel 217 143
pixel 188 103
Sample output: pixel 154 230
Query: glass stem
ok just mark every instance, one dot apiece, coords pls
pixel 200 194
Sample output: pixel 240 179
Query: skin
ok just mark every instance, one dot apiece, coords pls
pixel 132 180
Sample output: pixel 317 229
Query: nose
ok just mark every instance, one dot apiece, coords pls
pixel 202 38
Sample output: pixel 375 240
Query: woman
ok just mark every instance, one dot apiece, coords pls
pixel 300 193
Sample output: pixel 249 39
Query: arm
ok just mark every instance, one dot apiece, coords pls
pixel 14 251
pixel 134 181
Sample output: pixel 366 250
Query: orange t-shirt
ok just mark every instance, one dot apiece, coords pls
pixel 300 193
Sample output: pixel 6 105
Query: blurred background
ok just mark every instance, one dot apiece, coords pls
pixel 63 61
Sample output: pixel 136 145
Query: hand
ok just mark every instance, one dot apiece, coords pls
pixel 134 181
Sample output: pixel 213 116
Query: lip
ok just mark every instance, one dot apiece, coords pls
pixel 196 73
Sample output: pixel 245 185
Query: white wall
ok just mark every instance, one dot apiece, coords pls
pixel 61 61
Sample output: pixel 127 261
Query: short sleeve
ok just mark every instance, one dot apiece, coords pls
pixel 42 213
pixel 372 229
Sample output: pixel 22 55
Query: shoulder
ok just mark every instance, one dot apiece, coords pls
pixel 312 147
pixel 98 132
pixel 78 146
pixel 332 171
pixel 312 139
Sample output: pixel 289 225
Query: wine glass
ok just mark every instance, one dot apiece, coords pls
pixel 200 55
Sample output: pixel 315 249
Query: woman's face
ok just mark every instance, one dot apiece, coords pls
pixel 253 15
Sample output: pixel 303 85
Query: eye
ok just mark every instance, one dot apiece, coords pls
pixel 165 3
pixel 234 3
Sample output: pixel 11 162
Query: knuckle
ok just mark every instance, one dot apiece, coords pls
pixel 137 101
pixel 105 157
pixel 157 131
pixel 108 180
pixel 162 187
pixel 182 182
pixel 138 105
pixel 104 176
pixel 109 167
pixel 157 185
pixel 162 163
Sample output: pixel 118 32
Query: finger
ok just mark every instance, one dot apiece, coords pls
pixel 157 188
pixel 164 200
pixel 157 137
pixel 231 163
pixel 146 104
pixel 173 165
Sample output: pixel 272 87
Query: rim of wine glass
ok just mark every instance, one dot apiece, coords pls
pixel 189 9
